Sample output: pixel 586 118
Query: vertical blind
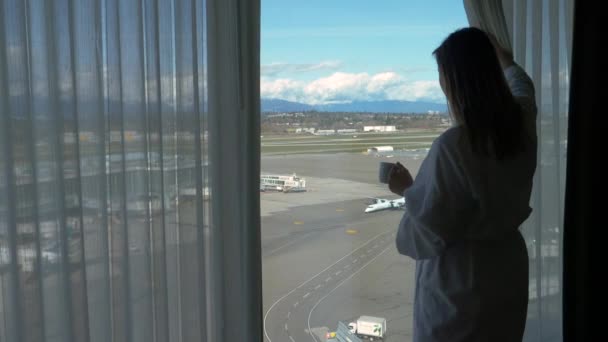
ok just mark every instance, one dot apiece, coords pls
pixel 103 170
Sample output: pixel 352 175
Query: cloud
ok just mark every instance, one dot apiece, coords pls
pixel 274 69
pixel 282 89
pixel 341 87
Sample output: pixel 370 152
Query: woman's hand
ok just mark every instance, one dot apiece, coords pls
pixel 399 179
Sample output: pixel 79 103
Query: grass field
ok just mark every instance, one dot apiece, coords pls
pixel 270 144
pixel 357 142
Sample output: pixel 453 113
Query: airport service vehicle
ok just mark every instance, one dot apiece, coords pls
pixel 330 335
pixel 292 183
pixel 369 327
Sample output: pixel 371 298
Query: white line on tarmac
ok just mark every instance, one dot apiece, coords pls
pixel 311 278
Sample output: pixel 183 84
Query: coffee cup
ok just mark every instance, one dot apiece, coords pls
pixel 385 171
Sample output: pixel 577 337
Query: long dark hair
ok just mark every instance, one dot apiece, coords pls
pixel 478 94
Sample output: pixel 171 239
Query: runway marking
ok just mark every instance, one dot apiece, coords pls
pixel 286 329
pixel 327 279
pixel 355 261
pixel 311 278
pixel 291 338
pixel 317 287
pixel 338 272
pixel 288 314
pixel 340 284
pixel 288 243
pixel 339 210
pixel 298 222
pixel 351 231
pixel 295 305
pixel 307 294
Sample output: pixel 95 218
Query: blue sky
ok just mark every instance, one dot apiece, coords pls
pixel 327 51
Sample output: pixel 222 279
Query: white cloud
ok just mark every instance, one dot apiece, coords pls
pixel 282 89
pixel 339 87
pixel 417 90
pixel 347 87
pixel 382 81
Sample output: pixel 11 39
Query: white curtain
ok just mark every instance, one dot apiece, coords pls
pixel 488 16
pixel 103 171
pixel 540 32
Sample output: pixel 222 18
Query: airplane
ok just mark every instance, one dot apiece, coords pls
pixel 383 204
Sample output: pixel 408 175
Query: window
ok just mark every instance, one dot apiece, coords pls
pixel 128 205
pixel 344 86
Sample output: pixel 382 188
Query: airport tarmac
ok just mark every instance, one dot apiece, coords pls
pixel 324 259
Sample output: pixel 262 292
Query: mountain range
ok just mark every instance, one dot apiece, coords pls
pixel 383 106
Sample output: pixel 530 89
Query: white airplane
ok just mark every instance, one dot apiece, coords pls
pixel 383 204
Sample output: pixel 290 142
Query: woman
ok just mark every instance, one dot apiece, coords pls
pixel 470 196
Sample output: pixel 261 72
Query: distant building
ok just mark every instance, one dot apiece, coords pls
pixel 305 130
pixel 346 131
pixel 189 194
pixel 117 136
pixel 326 132
pixel 87 136
pixel 379 128
pixel 69 138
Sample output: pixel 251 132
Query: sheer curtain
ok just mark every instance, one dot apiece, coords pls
pixel 103 170
pixel 540 32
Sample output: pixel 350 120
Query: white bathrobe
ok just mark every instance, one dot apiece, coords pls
pixel 462 228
